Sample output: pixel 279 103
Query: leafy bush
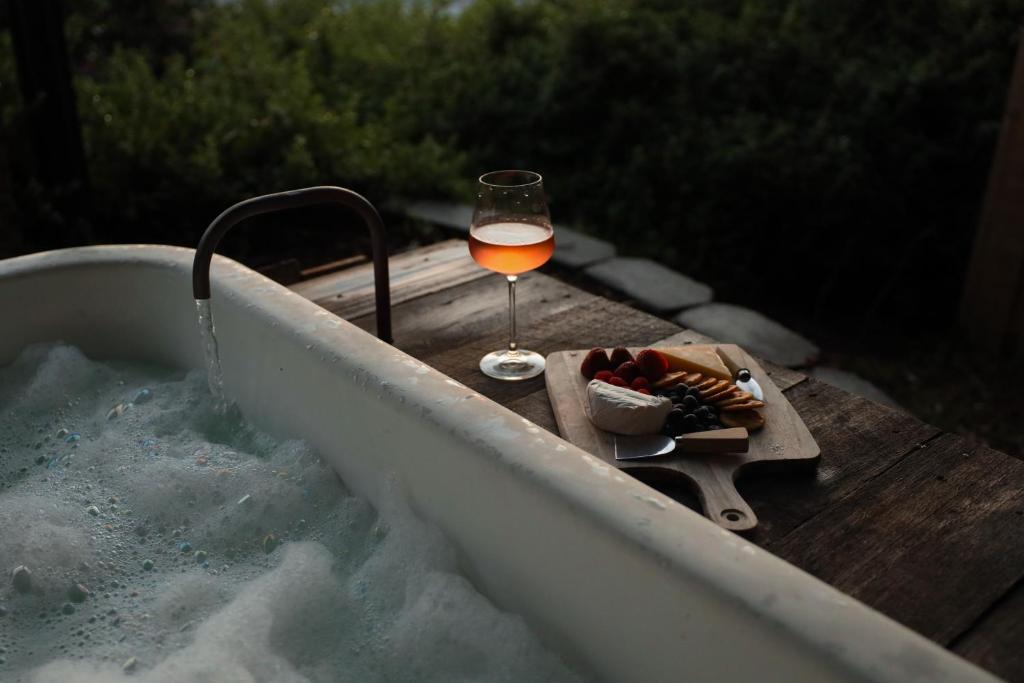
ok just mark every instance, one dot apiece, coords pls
pixel 247 112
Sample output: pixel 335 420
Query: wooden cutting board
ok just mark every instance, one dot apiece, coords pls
pixel 783 443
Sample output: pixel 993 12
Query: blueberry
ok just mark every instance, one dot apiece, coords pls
pixel 691 422
pixel 691 402
pixel 681 389
pixel 692 391
pixel 713 427
pixel 675 418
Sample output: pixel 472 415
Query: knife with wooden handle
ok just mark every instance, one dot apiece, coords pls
pixel 734 440
pixel 741 376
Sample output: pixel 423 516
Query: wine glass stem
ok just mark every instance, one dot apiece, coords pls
pixel 512 346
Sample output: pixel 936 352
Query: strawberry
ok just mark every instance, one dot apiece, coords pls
pixel 619 356
pixel 652 364
pixel 618 381
pixel 595 361
pixel 628 371
pixel 604 375
pixel 640 383
pixel 643 390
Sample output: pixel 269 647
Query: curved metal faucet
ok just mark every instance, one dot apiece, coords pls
pixel 290 200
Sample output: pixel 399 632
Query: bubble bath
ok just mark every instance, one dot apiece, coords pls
pixel 148 538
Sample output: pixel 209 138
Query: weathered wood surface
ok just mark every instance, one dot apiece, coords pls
pixel 995 641
pixel 784 443
pixel 935 538
pixel 859 439
pixel 349 293
pixel 895 515
pixel 453 329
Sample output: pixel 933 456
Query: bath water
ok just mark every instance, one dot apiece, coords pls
pixel 147 537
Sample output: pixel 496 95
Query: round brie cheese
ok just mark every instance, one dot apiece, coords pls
pixel 624 411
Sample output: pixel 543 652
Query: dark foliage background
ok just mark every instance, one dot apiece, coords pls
pixel 825 159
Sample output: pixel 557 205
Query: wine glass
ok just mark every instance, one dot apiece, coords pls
pixel 510 234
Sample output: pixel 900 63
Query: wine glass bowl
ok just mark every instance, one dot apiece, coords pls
pixel 511 234
pixel 511 248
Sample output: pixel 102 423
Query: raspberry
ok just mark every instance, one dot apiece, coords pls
pixel 618 381
pixel 604 375
pixel 652 364
pixel 628 371
pixel 595 361
pixel 619 356
pixel 640 383
pixel 643 390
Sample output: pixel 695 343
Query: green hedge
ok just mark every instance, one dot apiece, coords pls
pixel 256 102
pixel 825 154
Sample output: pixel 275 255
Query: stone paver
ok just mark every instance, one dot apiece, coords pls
pixel 855 384
pixel 650 284
pixel 573 249
pixel 447 214
pixel 757 334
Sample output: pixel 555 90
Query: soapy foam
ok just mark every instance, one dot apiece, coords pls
pixel 212 552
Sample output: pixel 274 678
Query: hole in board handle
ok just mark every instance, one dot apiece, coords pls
pixel 733 515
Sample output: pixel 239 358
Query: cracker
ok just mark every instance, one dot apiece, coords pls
pixel 751 419
pixel 669 380
pixel 708 383
pixel 739 397
pixel 718 387
pixel 714 398
pixel 745 405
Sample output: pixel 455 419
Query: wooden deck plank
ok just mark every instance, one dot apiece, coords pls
pixel 463 313
pixel 536 408
pixel 350 293
pixel 932 541
pixel 859 439
pixel 994 641
pixel 595 322
pixel 451 330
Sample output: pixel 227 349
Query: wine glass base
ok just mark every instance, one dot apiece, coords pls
pixel 512 366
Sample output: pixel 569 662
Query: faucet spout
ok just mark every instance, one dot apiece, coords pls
pixel 290 200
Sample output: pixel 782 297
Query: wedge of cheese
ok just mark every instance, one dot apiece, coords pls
pixel 624 411
pixel 696 358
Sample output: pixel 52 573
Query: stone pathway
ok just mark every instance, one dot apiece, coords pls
pixel 652 285
pixel 446 214
pixel 756 333
pixel 661 290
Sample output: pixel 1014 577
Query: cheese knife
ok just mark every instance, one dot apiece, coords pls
pixel 733 440
pixel 741 376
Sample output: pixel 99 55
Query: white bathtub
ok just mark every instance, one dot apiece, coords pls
pixel 619 578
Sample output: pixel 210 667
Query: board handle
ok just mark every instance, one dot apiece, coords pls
pixel 723 504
